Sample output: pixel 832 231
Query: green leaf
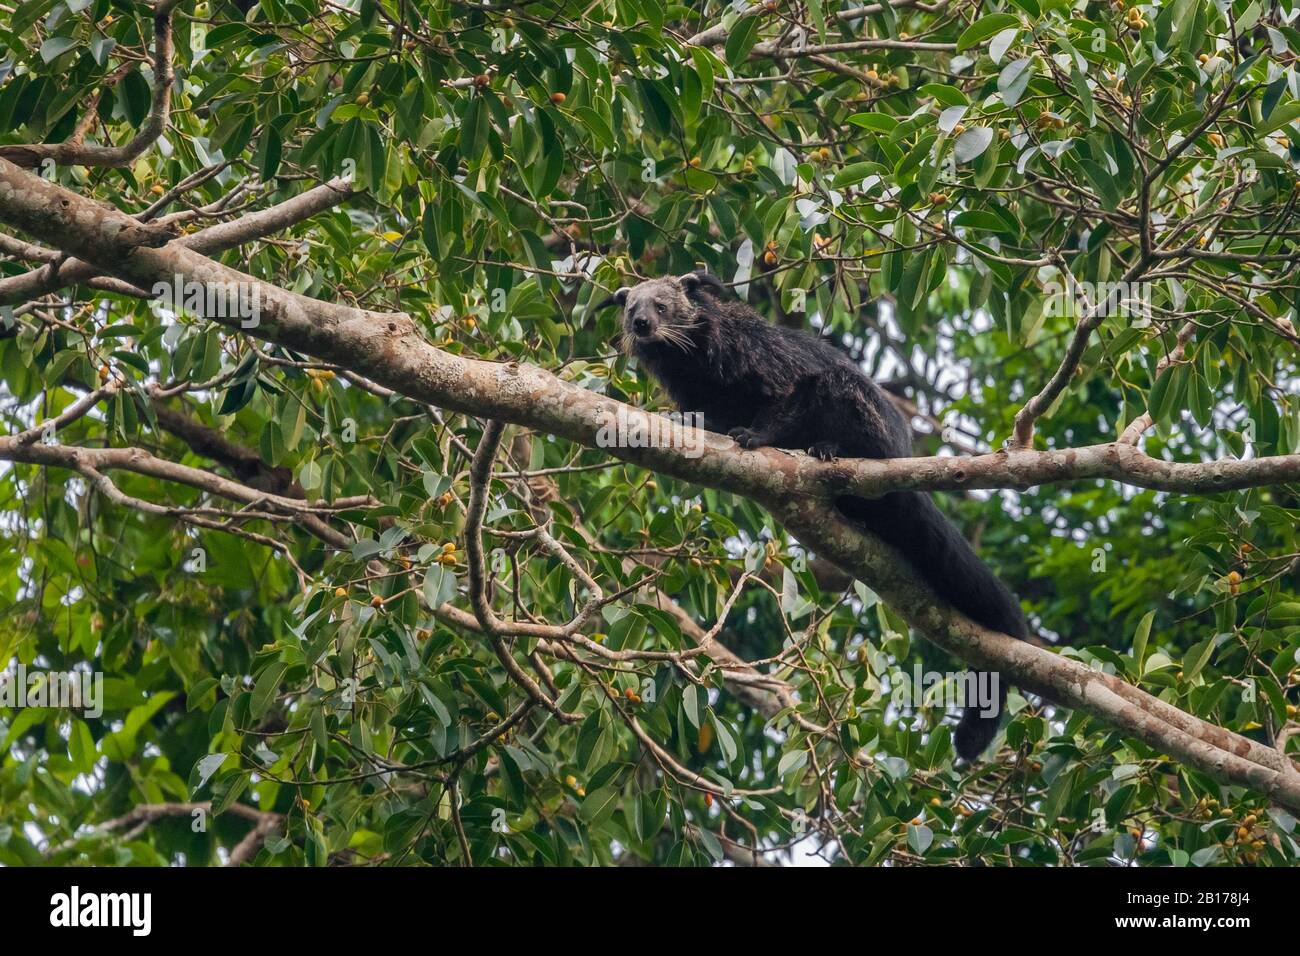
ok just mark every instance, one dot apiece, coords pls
pixel 265 688
pixel 985 27
pixel 1195 659
pixel 919 838
pixel 743 36
pixel 598 807
pixel 206 767
pixel 54 46
pixel 1140 638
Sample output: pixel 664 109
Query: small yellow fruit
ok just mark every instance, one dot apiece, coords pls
pixel 376 601
pixel 340 592
pixel 571 781
pixel 363 99
pixel 1216 140
pixel 705 739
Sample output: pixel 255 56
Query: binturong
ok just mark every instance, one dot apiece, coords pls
pixel 767 385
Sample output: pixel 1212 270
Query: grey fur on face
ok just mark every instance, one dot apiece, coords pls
pixel 658 311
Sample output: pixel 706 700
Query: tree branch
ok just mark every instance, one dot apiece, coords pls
pixel 73 152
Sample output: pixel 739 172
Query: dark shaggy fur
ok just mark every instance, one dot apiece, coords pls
pixel 766 385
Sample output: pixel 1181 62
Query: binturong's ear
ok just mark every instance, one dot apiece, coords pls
pixel 702 281
pixel 619 299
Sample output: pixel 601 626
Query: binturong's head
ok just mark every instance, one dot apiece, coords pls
pixel 663 310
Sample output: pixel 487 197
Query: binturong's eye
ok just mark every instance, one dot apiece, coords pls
pixel 659 306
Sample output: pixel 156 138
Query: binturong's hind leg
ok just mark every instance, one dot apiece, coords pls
pixel 761 432
pixel 770 427
pixel 813 417
pixel 787 424
pixel 831 413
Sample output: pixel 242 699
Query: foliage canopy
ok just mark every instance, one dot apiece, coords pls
pixel 947 188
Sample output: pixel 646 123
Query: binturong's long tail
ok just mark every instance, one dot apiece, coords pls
pixel 914 525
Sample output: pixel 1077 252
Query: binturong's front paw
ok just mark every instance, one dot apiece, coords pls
pixel 747 437
pixel 824 450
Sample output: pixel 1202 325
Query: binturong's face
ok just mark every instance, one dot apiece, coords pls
pixel 657 311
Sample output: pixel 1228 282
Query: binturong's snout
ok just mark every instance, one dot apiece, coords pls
pixel 640 322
